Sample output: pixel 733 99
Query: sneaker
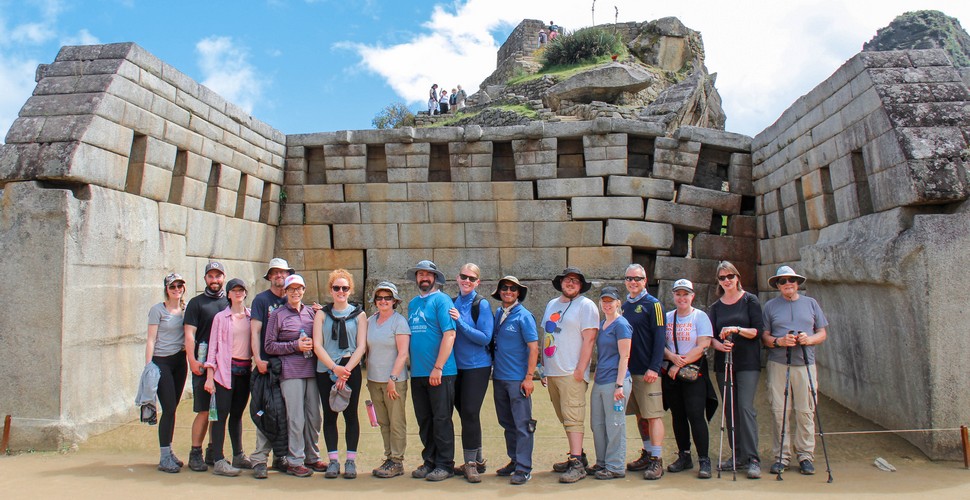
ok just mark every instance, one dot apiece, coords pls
pixel 298 471
pixel 704 469
pixel 520 477
pixel 508 470
pixel 608 474
pixel 439 474
pixel 389 468
pixel 421 472
pixel 241 461
pixel 318 466
pixel 168 464
pixel 332 470
pixel 655 469
pixel 640 463
pixel 778 468
pixel 224 468
pixel 471 472
pixel 350 469
pixel 279 463
pixel 196 462
pixel 575 472
pixel 754 469
pixel 561 467
pixel 208 455
pixel 259 471
pixel 806 467
pixel 181 463
pixel 682 463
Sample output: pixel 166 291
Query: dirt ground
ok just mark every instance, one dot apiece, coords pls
pixel 122 462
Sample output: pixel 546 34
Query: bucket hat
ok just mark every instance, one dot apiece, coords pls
pixel 585 285
pixel 785 271
pixel 340 398
pixel 390 287
pixel 523 290
pixel 278 263
pixel 426 265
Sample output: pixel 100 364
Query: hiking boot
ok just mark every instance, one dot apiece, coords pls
pixel 332 470
pixel 471 472
pixel 460 469
pixel 575 472
pixel 704 469
pixel 241 461
pixel 520 477
pixel 223 468
pixel 439 474
pixel 778 468
pixel 683 462
pixel 208 455
pixel 298 471
pixel 729 465
pixel 640 463
pixel 318 466
pixel 196 462
pixel 421 472
pixel 655 469
pixel 181 464
pixel 806 467
pixel 608 474
pixel 168 464
pixel 350 469
pixel 508 470
pixel 389 468
pixel 754 469
pixel 593 469
pixel 259 471
pixel 279 463
pixel 564 466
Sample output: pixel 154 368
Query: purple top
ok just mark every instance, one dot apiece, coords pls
pixel 282 336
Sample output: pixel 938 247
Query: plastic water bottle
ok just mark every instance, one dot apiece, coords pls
pixel 371 412
pixel 213 410
pixel 203 352
pixel 542 371
pixel 306 354
pixel 618 414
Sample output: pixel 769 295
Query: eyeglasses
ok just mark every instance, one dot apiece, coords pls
pixel 634 278
pixel 295 289
pixel 785 281
pixel 467 278
pixel 384 298
pixel 508 288
pixel 726 277
pixel 175 287
pixel 574 281
pixel 344 289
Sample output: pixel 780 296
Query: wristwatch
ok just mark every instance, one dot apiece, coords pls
pixel 775 342
pixel 619 386
pixel 394 379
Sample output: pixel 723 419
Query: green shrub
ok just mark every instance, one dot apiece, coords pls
pixel 585 45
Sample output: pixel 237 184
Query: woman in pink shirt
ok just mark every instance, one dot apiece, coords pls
pixel 228 368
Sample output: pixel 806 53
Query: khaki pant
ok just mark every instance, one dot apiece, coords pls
pixel 800 404
pixel 391 416
pixel 569 400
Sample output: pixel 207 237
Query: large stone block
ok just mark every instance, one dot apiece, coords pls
pixel 437 191
pixel 333 213
pixel 498 191
pixel 742 225
pixel 149 181
pixel 600 262
pixel 568 234
pixel 188 192
pixel 332 259
pixel 687 217
pixel 605 207
pixel 392 264
pixel 394 212
pixel 304 237
pixel 529 210
pixel 220 200
pixel 721 202
pixel 315 193
pixel 676 173
pixel 450 260
pixel 732 248
pixel 639 235
pixel 69 161
pixel 461 211
pixel 568 188
pixel 820 211
pixel 498 234
pixel 714 137
pixel 674 268
pixel 364 236
pixel 376 192
pixel 645 187
pixel 534 171
pixel 172 218
pixel 417 174
pixel 428 235
pixel 532 263
pixel 604 168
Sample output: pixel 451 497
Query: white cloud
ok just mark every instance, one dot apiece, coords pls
pixel 31 33
pixel 766 53
pixel 83 37
pixel 16 85
pixel 227 71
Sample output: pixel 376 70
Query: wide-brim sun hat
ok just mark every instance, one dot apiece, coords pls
pixel 523 290
pixel 425 265
pixel 783 272
pixel 390 287
pixel 683 284
pixel 557 281
pixel 294 279
pixel 278 263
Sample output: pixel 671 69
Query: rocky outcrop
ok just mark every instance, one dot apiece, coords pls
pixel 669 45
pixel 924 29
pixel 694 101
pixel 604 83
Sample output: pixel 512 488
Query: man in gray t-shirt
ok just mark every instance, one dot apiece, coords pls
pixel 794 325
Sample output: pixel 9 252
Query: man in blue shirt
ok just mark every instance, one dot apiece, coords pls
pixel 433 371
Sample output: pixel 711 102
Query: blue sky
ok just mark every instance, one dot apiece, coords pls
pixel 319 65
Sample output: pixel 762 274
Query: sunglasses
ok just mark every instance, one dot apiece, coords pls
pixel 634 278
pixel 785 281
pixel 344 289
pixel 467 278
pixel 726 277
pixel 175 287
pixel 508 288
pixel 384 298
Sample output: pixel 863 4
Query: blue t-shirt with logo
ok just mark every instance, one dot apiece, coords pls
pixel 608 360
pixel 428 318
pixel 511 343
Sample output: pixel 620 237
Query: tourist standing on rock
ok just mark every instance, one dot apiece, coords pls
pixel 433 100
pixel 611 388
pixel 543 38
pixel 738 321
pixel 433 371
pixel 453 100
pixel 228 370
pixel 793 325
pixel 460 100
pixel 473 326
pixel 443 102
pixel 198 324
pixel 646 316
pixel 686 386
pixel 570 322
pixel 516 355
pixel 340 341
pixel 165 346
pixel 388 342
pixel 289 336
pixel 265 303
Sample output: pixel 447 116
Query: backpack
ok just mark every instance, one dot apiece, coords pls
pixel 475 305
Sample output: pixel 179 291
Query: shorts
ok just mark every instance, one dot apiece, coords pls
pixel 200 397
pixel 569 400
pixel 646 399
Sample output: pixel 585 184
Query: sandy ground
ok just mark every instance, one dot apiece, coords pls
pixel 122 462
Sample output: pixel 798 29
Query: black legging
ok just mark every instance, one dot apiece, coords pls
pixel 470 388
pixel 351 420
pixel 231 404
pixel 174 370
pixel 687 401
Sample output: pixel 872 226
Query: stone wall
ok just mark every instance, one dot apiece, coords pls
pixel 861 186
pixel 119 170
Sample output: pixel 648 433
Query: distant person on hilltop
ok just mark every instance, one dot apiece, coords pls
pixel 542 37
pixel 433 100
pixel 460 98
pixel 443 102
pixel 453 100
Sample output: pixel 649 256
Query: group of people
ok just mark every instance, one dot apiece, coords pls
pixel 442 103
pixel 548 33
pixel 301 363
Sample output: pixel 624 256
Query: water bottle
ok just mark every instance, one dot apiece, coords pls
pixel 213 410
pixel 203 352
pixel 306 354
pixel 618 414
pixel 371 412
pixel 542 372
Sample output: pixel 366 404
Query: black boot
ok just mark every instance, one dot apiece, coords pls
pixel 683 462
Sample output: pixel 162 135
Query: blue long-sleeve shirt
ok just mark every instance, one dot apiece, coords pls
pixel 472 338
pixel 646 316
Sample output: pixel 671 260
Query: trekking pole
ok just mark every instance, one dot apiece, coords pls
pixel 784 411
pixel 731 430
pixel 724 392
pixel 821 433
